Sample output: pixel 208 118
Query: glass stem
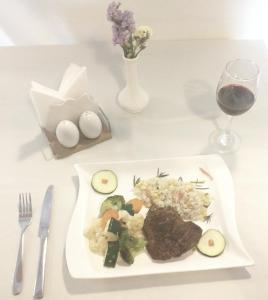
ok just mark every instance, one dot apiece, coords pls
pixel 229 124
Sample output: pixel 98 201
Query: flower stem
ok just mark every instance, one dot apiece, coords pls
pixel 139 52
pixel 132 46
pixel 125 50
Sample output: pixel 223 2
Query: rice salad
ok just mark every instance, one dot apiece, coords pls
pixel 190 202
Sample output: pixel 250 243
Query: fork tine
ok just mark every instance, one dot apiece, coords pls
pixel 26 205
pixel 30 205
pixel 31 209
pixel 23 205
pixel 20 205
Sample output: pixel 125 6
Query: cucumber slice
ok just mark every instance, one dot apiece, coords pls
pixel 212 243
pixel 104 182
pixel 111 254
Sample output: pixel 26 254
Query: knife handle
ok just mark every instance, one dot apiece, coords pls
pixel 40 278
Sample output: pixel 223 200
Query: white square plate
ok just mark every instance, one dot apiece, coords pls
pixel 82 263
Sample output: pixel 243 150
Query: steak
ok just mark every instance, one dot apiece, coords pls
pixel 167 235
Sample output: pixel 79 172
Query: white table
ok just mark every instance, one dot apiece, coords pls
pixel 180 77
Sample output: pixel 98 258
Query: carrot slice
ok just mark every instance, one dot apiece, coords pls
pixel 136 204
pixel 110 213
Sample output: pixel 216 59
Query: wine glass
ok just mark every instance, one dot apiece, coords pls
pixel 236 93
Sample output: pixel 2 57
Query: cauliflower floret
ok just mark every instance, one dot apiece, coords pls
pixel 98 238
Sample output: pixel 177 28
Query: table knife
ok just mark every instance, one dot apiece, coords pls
pixel 43 235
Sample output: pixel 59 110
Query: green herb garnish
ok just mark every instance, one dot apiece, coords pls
pixel 136 180
pixel 161 174
pixel 208 218
pixel 198 182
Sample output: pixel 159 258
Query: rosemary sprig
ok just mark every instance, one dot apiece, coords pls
pixel 197 181
pixel 208 218
pixel 180 179
pixel 136 180
pixel 199 184
pixel 161 174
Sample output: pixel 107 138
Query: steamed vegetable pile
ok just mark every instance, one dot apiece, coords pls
pixel 118 230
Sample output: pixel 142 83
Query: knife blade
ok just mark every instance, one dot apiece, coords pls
pixel 46 212
pixel 43 234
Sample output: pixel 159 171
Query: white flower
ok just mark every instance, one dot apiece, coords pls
pixel 143 32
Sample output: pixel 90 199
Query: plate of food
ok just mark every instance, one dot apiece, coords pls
pixel 154 216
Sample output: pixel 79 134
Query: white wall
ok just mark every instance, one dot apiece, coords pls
pixel 26 22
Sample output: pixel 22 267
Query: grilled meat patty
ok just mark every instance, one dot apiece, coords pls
pixel 167 234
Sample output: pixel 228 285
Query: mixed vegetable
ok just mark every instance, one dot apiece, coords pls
pixel 118 230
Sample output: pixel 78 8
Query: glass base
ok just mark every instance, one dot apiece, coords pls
pixel 224 141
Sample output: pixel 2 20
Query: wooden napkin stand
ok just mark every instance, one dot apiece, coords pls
pixel 71 110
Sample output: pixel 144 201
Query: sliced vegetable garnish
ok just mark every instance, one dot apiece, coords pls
pixel 113 202
pixel 111 254
pixel 114 226
pixel 206 173
pixel 212 243
pixel 136 204
pixel 129 208
pixel 104 181
pixel 110 213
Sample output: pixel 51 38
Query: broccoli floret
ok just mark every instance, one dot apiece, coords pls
pixel 126 255
pixel 116 202
pixel 130 246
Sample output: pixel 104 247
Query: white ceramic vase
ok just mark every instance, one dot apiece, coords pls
pixel 132 98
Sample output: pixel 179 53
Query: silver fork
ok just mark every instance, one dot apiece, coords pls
pixel 25 217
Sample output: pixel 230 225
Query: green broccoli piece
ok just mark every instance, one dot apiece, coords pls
pixel 126 255
pixel 116 202
pixel 130 246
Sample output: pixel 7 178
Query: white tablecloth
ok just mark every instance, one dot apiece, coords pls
pixel 180 78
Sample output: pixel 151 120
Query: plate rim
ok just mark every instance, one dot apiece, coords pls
pixel 78 167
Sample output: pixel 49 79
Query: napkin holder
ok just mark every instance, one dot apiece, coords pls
pixel 67 103
pixel 71 110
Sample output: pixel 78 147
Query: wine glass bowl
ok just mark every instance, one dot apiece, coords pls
pixel 235 99
pixel 236 94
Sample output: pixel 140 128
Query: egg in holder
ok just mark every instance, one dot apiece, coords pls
pixel 77 107
pixel 70 118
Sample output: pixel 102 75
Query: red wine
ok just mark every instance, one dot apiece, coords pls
pixel 235 99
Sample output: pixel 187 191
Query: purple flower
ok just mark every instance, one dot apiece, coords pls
pixel 113 11
pixel 128 21
pixel 120 36
pixel 123 23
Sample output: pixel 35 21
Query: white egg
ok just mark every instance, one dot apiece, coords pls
pixel 67 133
pixel 90 124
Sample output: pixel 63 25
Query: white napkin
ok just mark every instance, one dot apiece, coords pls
pixel 74 84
